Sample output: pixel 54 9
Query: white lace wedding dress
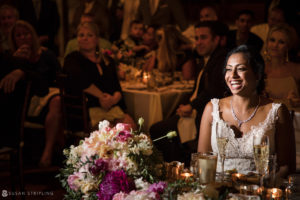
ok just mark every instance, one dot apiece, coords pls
pixel 239 151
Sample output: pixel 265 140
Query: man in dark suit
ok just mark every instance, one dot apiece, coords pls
pixel 209 84
pixel 162 12
pixel 243 35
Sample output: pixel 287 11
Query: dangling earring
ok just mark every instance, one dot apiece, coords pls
pixel 287 56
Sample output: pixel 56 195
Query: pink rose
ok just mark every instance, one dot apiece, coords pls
pixel 73 181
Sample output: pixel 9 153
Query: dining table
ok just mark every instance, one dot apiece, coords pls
pixel 156 103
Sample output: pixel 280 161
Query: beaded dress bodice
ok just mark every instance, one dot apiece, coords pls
pixel 239 151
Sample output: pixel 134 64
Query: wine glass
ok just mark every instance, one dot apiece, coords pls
pixel 222 143
pixel 261 155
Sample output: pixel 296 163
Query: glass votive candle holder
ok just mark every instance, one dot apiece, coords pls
pixel 274 193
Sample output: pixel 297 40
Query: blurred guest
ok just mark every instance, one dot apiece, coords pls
pixel 43 16
pixel 95 74
pixel 149 37
pixel 283 76
pixel 132 47
pixel 116 11
pixel 275 16
pixel 72 45
pixel 208 13
pixel 97 8
pixel 8 17
pixel 129 13
pixel 43 66
pixel 209 58
pixel 162 12
pixel 172 54
pixel 243 35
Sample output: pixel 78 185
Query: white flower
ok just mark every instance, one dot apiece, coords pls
pixel 140 184
pixel 103 124
pixel 171 134
pixel 141 121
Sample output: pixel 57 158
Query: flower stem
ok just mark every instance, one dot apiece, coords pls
pixel 159 138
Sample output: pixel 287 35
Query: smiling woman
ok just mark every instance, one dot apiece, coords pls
pixel 283 76
pixel 245 114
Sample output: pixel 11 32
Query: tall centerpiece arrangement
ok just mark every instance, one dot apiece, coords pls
pixel 111 163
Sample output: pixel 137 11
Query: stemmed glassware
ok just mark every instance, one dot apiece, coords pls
pixel 222 143
pixel 261 155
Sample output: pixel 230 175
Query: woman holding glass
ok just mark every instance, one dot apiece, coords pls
pixel 246 114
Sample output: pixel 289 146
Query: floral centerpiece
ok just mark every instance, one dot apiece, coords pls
pixel 111 164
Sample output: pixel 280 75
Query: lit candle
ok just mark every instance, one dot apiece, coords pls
pixel 146 77
pixel 186 175
pixel 238 176
pixel 260 190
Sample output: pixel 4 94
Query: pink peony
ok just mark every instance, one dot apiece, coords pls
pixel 124 135
pixel 72 181
pixel 113 183
pixel 100 165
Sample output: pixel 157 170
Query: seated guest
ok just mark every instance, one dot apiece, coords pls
pixel 208 13
pixel 149 37
pixel 91 72
pixel 283 76
pixel 172 54
pixel 245 114
pixel 43 66
pixel 243 35
pixel 275 16
pixel 209 84
pixel 8 17
pixel 132 47
pixel 72 45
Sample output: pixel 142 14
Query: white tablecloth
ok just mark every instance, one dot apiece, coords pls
pixel 156 105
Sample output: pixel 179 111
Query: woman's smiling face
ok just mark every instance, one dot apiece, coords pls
pixel 277 44
pixel 239 76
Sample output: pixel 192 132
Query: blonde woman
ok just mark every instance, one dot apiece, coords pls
pixel 95 74
pixel 282 75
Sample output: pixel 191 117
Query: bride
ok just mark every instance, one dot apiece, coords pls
pixel 247 113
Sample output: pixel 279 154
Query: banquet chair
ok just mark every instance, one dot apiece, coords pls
pixel 75 111
pixel 15 154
